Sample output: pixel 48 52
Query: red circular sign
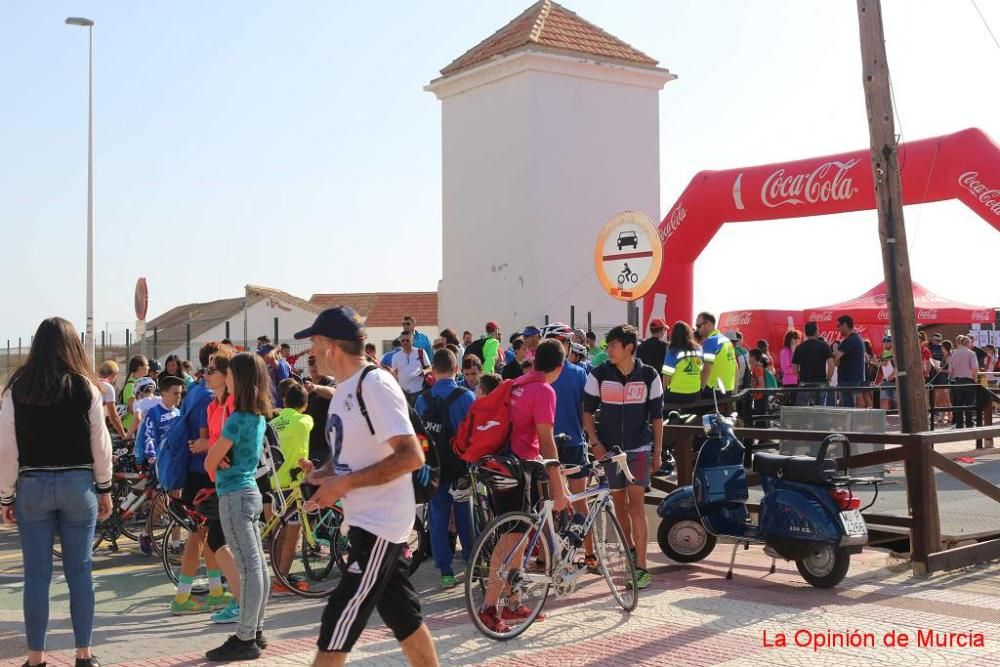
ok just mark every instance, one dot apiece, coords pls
pixel 141 299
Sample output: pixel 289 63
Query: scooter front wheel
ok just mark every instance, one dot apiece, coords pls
pixel 826 566
pixel 684 540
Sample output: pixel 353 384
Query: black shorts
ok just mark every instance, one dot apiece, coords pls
pixel 574 456
pixel 514 500
pixel 195 483
pixel 377 577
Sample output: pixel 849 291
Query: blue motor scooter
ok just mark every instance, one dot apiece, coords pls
pixel 808 514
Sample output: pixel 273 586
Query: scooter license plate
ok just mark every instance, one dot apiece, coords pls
pixel 854 523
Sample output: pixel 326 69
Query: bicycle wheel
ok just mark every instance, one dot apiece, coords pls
pixel 503 567
pixel 172 552
pixel 615 559
pixel 310 571
pixel 157 519
pixel 129 527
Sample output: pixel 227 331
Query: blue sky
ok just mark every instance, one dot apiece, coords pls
pixel 291 144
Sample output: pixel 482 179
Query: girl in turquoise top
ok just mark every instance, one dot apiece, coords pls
pixel 232 461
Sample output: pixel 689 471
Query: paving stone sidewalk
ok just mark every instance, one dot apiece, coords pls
pixel 690 615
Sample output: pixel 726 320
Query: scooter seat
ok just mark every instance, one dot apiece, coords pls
pixel 805 469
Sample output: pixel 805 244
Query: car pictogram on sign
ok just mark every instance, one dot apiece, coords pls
pixel 628 237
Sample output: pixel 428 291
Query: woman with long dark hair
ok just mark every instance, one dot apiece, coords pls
pixel 175 367
pixel 682 366
pixel 55 476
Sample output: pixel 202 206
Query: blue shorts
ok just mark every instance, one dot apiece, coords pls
pixel 887 391
pixel 639 463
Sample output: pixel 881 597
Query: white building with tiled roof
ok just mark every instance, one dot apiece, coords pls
pixel 550 126
pixel 260 312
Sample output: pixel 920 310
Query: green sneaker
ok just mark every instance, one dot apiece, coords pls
pixel 189 606
pixel 448 581
pixel 643 578
pixel 216 602
pixel 231 614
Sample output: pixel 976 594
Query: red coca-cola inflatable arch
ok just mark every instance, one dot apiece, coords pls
pixel 963 166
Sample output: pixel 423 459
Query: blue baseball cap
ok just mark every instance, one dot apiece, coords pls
pixel 531 330
pixel 340 323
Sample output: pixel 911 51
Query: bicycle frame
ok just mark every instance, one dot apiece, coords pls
pixel 544 526
pixel 292 506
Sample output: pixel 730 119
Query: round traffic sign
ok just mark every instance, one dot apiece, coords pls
pixel 628 255
pixel 141 299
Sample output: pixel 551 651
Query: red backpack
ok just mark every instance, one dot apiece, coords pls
pixel 486 428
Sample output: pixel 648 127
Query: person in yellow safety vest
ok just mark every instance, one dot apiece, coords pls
pixel 682 366
pixel 718 354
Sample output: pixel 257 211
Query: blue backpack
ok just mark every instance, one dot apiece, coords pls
pixel 174 458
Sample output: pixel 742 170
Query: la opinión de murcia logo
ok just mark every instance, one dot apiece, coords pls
pixel 827 182
pixel 672 222
pixel 985 194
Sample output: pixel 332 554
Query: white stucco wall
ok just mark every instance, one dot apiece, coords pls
pixel 539 151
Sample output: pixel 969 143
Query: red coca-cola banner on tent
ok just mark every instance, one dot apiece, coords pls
pixel 963 166
pixel 871 308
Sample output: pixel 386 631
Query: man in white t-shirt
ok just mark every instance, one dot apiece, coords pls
pixel 410 365
pixel 370 467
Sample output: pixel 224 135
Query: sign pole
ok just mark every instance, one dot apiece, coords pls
pixel 633 314
pixel 141 306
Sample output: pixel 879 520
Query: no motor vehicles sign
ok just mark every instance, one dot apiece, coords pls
pixel 628 255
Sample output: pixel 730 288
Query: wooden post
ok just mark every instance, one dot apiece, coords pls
pixel 925 537
pixel 187 338
pixel 590 322
pixel 276 331
pixel 572 317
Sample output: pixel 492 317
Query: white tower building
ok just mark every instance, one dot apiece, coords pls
pixel 549 127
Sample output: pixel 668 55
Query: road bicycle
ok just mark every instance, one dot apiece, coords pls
pixel 520 556
pixel 310 562
pixel 136 506
pixel 468 489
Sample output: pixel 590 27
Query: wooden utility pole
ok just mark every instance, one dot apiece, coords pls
pixel 921 489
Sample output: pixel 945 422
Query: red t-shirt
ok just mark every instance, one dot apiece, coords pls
pixel 532 402
pixel 217 417
pixel 925 356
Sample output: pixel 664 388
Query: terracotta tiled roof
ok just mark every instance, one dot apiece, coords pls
pixel 386 309
pixel 550 25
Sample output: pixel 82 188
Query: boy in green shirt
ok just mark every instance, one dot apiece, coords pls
pixel 293 428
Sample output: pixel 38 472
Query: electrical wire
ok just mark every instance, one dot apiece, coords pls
pixel 985 23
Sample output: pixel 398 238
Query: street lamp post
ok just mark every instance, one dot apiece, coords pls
pixel 89 333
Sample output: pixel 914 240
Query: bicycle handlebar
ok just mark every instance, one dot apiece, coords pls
pixel 616 455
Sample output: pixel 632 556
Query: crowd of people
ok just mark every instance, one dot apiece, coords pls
pixel 58 416
pixel 846 372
